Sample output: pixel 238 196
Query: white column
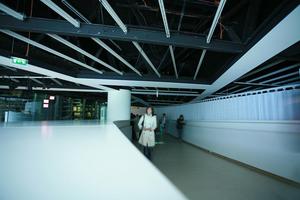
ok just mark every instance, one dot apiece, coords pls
pixel 118 105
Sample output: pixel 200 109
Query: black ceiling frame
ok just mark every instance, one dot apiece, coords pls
pixel 143 35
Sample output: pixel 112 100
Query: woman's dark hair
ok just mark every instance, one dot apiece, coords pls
pixel 151 109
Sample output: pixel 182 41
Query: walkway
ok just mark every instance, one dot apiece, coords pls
pixel 200 175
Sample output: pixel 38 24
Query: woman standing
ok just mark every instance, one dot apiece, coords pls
pixel 180 123
pixel 147 124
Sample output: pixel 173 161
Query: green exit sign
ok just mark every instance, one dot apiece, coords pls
pixel 19 61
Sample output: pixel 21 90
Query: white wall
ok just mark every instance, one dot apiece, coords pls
pixel 280 105
pixel 228 127
pixel 118 105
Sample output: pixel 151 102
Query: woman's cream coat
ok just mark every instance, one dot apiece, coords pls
pixel 147 138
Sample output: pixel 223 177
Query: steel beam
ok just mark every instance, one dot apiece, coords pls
pixel 61 12
pixel 164 91
pixel 167 30
pixel 62 27
pixel 276 62
pixel 166 101
pixel 9 68
pixel 69 44
pixel 295 79
pixel 255 84
pixel 139 48
pixel 165 94
pixel 100 42
pixel 140 100
pixel 173 60
pixel 39 70
pixel 26 77
pixel 210 34
pixel 137 83
pixel 11 12
pixel 57 81
pixel 114 15
pixel 199 63
pixel 286 33
pixel 15 80
pixel 123 27
pixel 268 75
pixel 280 77
pixel 164 17
pixel 45 48
pixel 98 82
pixel 37 81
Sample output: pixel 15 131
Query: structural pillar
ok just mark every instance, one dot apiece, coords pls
pixel 118 105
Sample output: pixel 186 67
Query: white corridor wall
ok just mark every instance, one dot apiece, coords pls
pixel 261 130
pixel 276 105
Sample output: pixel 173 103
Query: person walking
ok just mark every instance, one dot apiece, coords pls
pixel 136 127
pixel 147 124
pixel 163 123
pixel 180 123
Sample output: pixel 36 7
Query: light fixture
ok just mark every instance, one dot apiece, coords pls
pixel 46 101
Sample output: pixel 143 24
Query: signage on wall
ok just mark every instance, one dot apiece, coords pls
pixel 19 61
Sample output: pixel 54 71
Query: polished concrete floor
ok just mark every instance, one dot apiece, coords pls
pixel 200 175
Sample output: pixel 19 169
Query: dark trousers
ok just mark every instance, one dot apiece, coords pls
pixel 148 152
pixel 179 133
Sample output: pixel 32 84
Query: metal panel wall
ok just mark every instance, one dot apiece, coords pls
pixel 276 105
